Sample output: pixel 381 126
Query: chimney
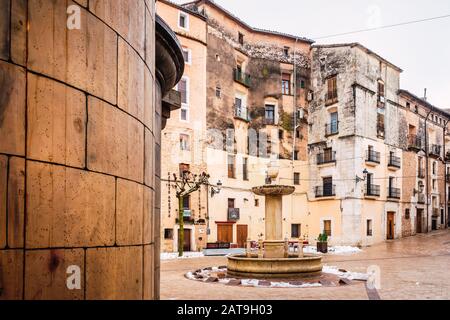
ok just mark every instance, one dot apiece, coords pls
pixel 425 94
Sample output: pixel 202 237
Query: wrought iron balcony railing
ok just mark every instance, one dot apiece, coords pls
pixel 373 156
pixel 241 113
pixel 327 190
pixel 326 157
pixel 242 77
pixel 331 128
pixel 372 190
pixel 394 162
pixel 435 150
pixel 393 193
pixel 415 142
pixel 233 214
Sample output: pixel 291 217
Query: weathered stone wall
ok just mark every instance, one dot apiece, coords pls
pixel 79 148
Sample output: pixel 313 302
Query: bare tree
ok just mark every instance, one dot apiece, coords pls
pixel 186 184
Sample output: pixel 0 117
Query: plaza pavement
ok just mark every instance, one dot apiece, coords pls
pixel 412 268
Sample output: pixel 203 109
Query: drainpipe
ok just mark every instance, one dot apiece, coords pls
pixel 427 182
pixel 294 139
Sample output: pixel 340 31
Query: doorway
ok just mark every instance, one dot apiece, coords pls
pixel 390 234
pixel 225 233
pixel 242 234
pixel 187 239
pixel 419 221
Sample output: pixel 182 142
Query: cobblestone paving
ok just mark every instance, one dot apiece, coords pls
pixel 412 268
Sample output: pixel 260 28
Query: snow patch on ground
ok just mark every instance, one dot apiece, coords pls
pixel 333 250
pixel 345 274
pixel 186 255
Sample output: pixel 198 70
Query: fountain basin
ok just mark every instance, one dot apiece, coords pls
pixel 282 268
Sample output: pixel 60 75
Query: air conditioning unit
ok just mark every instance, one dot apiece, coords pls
pixel 301 114
pixel 310 96
pixel 382 99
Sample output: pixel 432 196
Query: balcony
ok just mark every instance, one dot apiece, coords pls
pixel 187 217
pixel 331 129
pixel 242 77
pixel 372 190
pixel 447 156
pixel 436 212
pixel 326 157
pixel 233 214
pixel 331 98
pixel 414 142
pixel 421 173
pixel 435 151
pixel 325 191
pixel 241 113
pixel 421 198
pixel 373 157
pixel 394 162
pixel 393 193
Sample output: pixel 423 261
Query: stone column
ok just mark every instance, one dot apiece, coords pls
pixel 273 217
pixel 80 132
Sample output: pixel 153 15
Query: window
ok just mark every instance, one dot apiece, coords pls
pixel 231 166
pixel 416 109
pixel 183 88
pixel 302 84
pixel 298 134
pixel 231 203
pixel 168 234
pixel 408 105
pixel 270 114
pixel 295 230
pixel 183 20
pixel 434 167
pixel 256 202
pixel 286 83
pixel 332 90
pixel 327 227
pixel 218 92
pixel 184 142
pixel 245 169
pixel 187 55
pixel 286 52
pixel 187 202
pixel 380 89
pixel 280 134
pixel 334 123
pixel 369 228
pixel 296 178
pixel 241 38
pixel 296 155
pixel 407 214
pixel 327 183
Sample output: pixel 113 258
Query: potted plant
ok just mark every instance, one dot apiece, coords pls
pixel 322 243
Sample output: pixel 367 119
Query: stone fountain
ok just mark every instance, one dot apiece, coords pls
pixel 273 259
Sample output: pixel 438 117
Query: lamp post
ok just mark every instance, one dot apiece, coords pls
pixel 365 173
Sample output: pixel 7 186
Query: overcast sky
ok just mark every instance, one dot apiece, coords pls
pixel 422 50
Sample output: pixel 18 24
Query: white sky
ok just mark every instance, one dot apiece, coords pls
pixel 422 50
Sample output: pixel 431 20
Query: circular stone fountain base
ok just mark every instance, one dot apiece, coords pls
pixel 272 268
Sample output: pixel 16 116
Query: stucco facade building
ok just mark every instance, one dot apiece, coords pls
pixel 333 117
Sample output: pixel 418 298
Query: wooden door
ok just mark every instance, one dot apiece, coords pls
pixel 419 221
pixel 187 239
pixel 390 225
pixel 225 233
pixel 242 234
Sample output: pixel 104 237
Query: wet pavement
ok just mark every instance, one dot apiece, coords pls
pixel 411 268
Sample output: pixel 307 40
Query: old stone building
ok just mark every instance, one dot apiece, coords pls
pixel 82 104
pixel 250 89
pixel 333 117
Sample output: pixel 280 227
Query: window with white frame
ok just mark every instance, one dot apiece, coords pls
pixel 183 20
pixel 183 88
pixel 184 142
pixel 187 55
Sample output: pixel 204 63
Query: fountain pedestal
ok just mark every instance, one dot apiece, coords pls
pixel 273 259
